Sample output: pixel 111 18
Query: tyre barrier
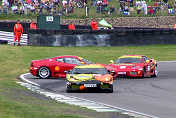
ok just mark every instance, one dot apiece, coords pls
pixel 112 37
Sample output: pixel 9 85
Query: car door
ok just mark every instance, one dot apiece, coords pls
pixel 66 64
pixel 147 65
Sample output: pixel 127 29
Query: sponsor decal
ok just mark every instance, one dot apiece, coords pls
pixel 57 68
pixel 122 67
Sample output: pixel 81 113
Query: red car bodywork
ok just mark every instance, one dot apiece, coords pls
pixel 57 65
pixel 145 67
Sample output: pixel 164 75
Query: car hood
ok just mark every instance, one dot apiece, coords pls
pixel 86 77
pixel 83 77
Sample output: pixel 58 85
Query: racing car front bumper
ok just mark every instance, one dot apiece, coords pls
pixel 33 70
pixel 130 73
pixel 89 85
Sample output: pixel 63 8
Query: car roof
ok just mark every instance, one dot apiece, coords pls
pixel 90 66
pixel 131 56
pixel 70 56
pixel 63 56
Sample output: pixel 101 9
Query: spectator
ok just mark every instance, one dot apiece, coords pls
pixel 170 9
pixel 15 9
pixel 5 2
pixel 64 3
pixel 22 9
pixel 130 3
pixel 175 5
pixel 99 9
pixel 33 25
pixel 32 8
pixel 139 8
pixel 10 3
pixel 112 10
pixel 49 7
pixel 70 9
pixel 5 9
pixel 150 11
pixel 126 11
pixel 41 6
pixel 122 6
pixel 55 2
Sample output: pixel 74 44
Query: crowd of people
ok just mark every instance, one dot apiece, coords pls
pixel 125 7
pixel 26 6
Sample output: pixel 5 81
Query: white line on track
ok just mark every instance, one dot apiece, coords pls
pixel 26 80
pixel 166 61
pixel 99 107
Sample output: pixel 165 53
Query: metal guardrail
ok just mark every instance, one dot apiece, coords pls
pixel 9 36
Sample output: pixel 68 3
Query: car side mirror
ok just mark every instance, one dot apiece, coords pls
pixel 147 61
pixel 112 73
pixel 111 61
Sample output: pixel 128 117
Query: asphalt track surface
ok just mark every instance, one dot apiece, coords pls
pixel 152 96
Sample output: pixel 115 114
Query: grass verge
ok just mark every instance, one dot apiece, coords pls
pixel 17 102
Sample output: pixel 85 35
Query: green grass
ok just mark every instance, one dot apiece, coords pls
pixel 92 12
pixel 17 102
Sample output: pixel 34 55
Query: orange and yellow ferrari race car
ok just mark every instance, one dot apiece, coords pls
pixel 89 77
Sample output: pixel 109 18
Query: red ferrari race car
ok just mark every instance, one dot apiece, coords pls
pixel 134 66
pixel 55 67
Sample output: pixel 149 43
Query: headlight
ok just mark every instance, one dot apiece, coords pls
pixel 108 79
pixel 73 79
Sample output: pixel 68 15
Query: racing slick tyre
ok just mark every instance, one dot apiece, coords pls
pixel 111 89
pixel 44 72
pixel 155 72
pixel 68 90
pixel 143 73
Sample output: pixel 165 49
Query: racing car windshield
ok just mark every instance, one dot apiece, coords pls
pixel 128 60
pixel 87 62
pixel 101 71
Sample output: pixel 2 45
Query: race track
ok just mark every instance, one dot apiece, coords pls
pixel 152 96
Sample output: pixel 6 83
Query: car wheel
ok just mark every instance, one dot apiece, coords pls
pixel 44 72
pixel 111 89
pixel 68 90
pixel 143 73
pixel 155 72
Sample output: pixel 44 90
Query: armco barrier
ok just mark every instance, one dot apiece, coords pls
pixel 113 37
